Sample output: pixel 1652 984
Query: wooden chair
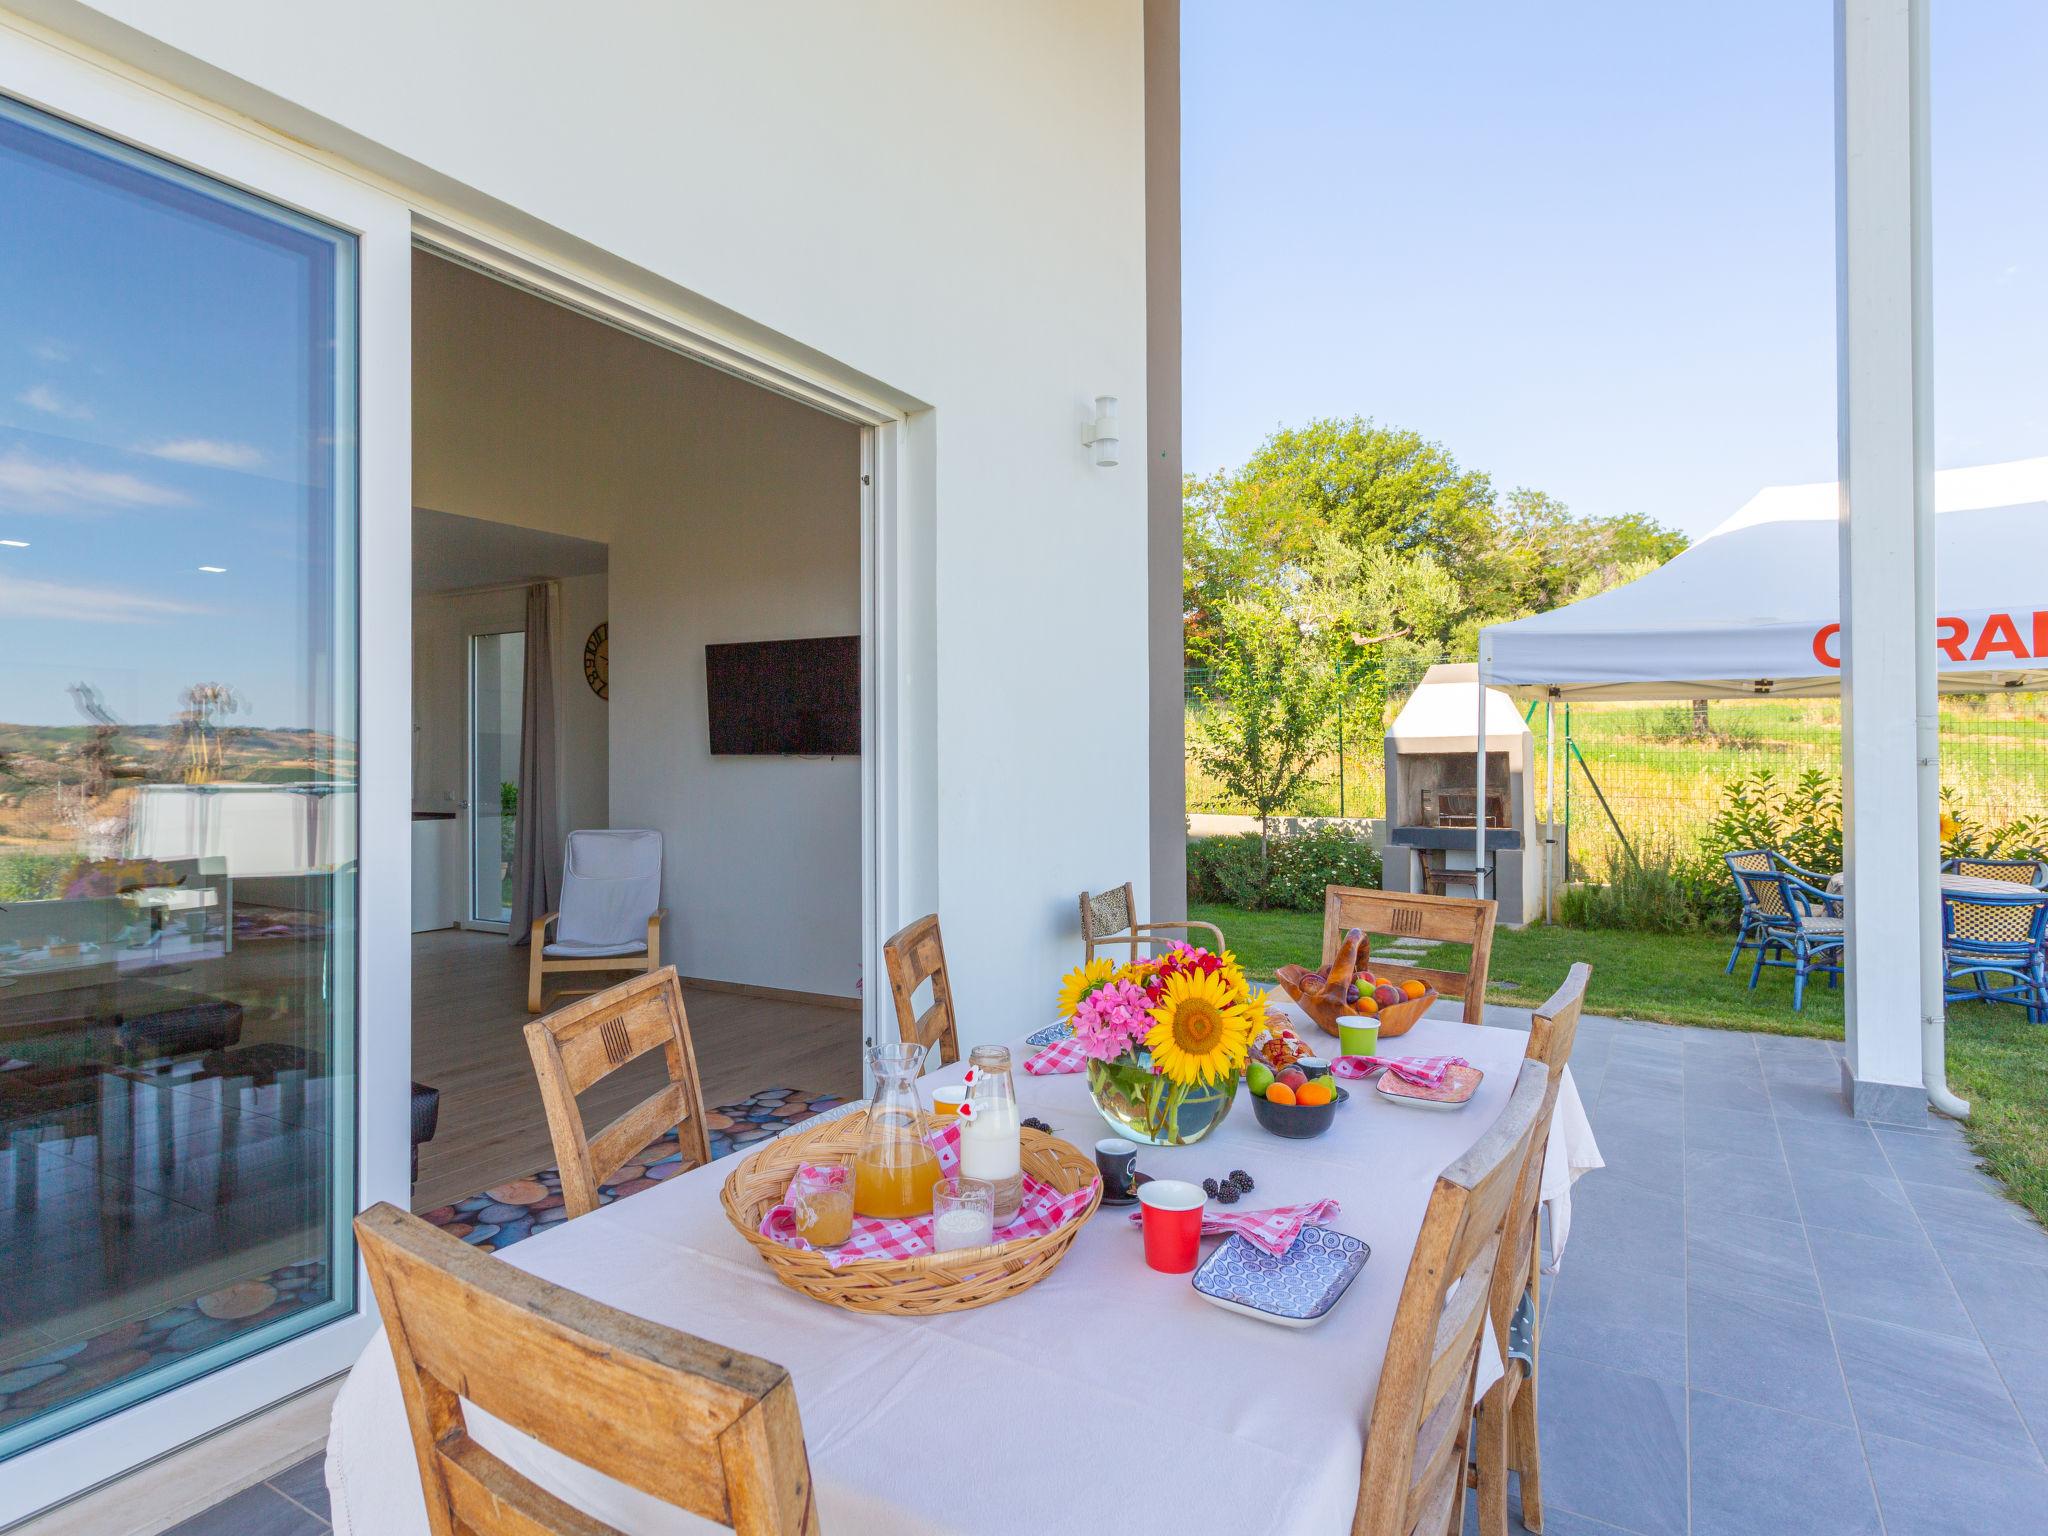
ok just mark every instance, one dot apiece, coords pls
pixel 1440 919
pixel 611 886
pixel 913 957
pixel 685 1421
pixel 1111 918
pixel 575 1046
pixel 1413 1479
pixel 1507 1414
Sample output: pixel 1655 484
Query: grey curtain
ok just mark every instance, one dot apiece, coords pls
pixel 537 839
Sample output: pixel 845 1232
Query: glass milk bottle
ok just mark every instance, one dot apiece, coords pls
pixel 991 1137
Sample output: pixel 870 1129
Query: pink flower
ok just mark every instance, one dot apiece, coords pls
pixel 1111 1019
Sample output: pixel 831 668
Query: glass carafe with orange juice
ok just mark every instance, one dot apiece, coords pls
pixel 894 1171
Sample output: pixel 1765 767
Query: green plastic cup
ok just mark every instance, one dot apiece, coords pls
pixel 1359 1037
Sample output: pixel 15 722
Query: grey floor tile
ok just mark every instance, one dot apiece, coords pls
pixel 1817 1101
pixel 1625 1226
pixel 1922 1159
pixel 1735 1252
pixel 1887 1280
pixel 1710 1090
pixel 305 1484
pixel 1756 1469
pixel 1762 1350
pixel 1613 1447
pixel 1736 1181
pixel 1843 1143
pixel 258 1511
pixel 1847 1201
pixel 1931 1493
pixel 1939 1392
pixel 2008 1301
pixel 1731 1130
pixel 1629 1319
pixel 1650 1158
pixel 2024 1369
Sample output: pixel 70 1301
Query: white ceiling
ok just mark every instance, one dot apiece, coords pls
pixel 450 553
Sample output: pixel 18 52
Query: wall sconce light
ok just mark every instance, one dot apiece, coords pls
pixel 1100 434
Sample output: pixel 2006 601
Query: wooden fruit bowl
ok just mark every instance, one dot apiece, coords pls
pixel 1397 1019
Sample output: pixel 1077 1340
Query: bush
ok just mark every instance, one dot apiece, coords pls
pixel 1800 820
pixel 1290 877
pixel 1665 890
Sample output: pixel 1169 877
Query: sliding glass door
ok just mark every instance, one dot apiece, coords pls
pixel 178 775
pixel 497 697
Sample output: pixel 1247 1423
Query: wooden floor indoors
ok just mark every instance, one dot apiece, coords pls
pixel 469 1011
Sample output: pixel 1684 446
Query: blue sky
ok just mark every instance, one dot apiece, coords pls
pixel 1589 247
pixel 157 415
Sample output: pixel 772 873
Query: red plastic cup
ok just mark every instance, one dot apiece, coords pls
pixel 1172 1222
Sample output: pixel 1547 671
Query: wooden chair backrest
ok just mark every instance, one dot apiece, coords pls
pixel 593 1037
pixel 1441 919
pixel 1413 1480
pixel 914 956
pixel 691 1423
pixel 1553 1029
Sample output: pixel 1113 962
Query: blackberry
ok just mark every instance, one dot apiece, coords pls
pixel 1209 1188
pixel 1241 1179
pixel 1037 1124
pixel 1227 1195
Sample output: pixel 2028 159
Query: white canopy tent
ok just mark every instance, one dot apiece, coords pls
pixel 1752 608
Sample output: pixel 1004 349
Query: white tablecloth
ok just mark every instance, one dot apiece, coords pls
pixel 1107 1397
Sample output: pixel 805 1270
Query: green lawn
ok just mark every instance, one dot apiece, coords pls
pixel 1997 1060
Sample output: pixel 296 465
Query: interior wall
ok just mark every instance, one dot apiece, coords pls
pixel 731 514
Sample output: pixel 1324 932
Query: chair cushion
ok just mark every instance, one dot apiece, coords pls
pixel 611 885
pixel 569 949
pixel 1819 924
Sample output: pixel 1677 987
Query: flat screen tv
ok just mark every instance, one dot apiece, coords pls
pixel 784 698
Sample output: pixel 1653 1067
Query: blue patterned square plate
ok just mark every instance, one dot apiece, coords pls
pixel 1047 1035
pixel 1294 1290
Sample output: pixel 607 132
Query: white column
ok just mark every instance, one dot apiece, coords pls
pixel 1887 576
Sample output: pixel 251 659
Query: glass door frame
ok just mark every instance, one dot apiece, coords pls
pixel 470 811
pixel 44 73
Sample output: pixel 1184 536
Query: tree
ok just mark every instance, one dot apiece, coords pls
pixel 1272 695
pixel 1545 557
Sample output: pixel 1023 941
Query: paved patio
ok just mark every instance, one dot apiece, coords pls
pixel 1774 1319
pixel 1771 1319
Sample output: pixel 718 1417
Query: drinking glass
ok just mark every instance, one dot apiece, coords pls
pixel 963 1214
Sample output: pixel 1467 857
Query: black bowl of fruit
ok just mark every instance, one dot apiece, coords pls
pixel 1293 1103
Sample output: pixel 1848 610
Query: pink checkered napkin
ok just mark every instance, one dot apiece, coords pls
pixel 1273 1230
pixel 1422 1071
pixel 874 1237
pixel 1060 1057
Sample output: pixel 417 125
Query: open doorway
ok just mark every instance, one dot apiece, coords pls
pixel 662 513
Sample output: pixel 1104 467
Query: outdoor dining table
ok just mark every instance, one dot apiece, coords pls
pixel 1967 885
pixel 1108 1397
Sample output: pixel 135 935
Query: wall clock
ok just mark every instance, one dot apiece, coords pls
pixel 596 664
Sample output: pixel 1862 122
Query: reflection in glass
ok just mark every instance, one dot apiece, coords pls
pixel 177 775
pixel 497 691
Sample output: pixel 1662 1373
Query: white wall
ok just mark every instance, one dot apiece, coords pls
pixel 731 514
pixel 946 199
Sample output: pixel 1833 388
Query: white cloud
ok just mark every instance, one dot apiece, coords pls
pixel 207 451
pixel 40 397
pixel 21 598
pixel 41 484
pixel 50 352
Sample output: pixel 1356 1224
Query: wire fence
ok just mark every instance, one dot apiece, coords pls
pixel 1654 775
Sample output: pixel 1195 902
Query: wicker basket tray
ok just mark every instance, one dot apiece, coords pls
pixel 940 1282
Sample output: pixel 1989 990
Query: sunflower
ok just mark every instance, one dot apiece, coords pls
pixel 1099 972
pixel 1199 1034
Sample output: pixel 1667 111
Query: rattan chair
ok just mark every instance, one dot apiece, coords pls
pixel 1984 936
pixel 1506 1426
pixel 2017 871
pixel 1111 918
pixel 1750 928
pixel 1416 1447
pixel 1799 932
pixel 687 1422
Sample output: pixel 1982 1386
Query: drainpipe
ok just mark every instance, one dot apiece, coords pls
pixel 1479 776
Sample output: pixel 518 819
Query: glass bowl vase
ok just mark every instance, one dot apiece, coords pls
pixel 1152 1111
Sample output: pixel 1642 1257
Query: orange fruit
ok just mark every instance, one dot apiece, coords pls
pixel 1413 988
pixel 1280 1093
pixel 1316 1091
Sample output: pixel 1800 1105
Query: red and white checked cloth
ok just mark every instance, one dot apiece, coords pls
pixel 1062 1056
pixel 1422 1071
pixel 876 1237
pixel 1273 1230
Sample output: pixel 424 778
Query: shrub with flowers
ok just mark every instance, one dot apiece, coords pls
pixel 1165 1038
